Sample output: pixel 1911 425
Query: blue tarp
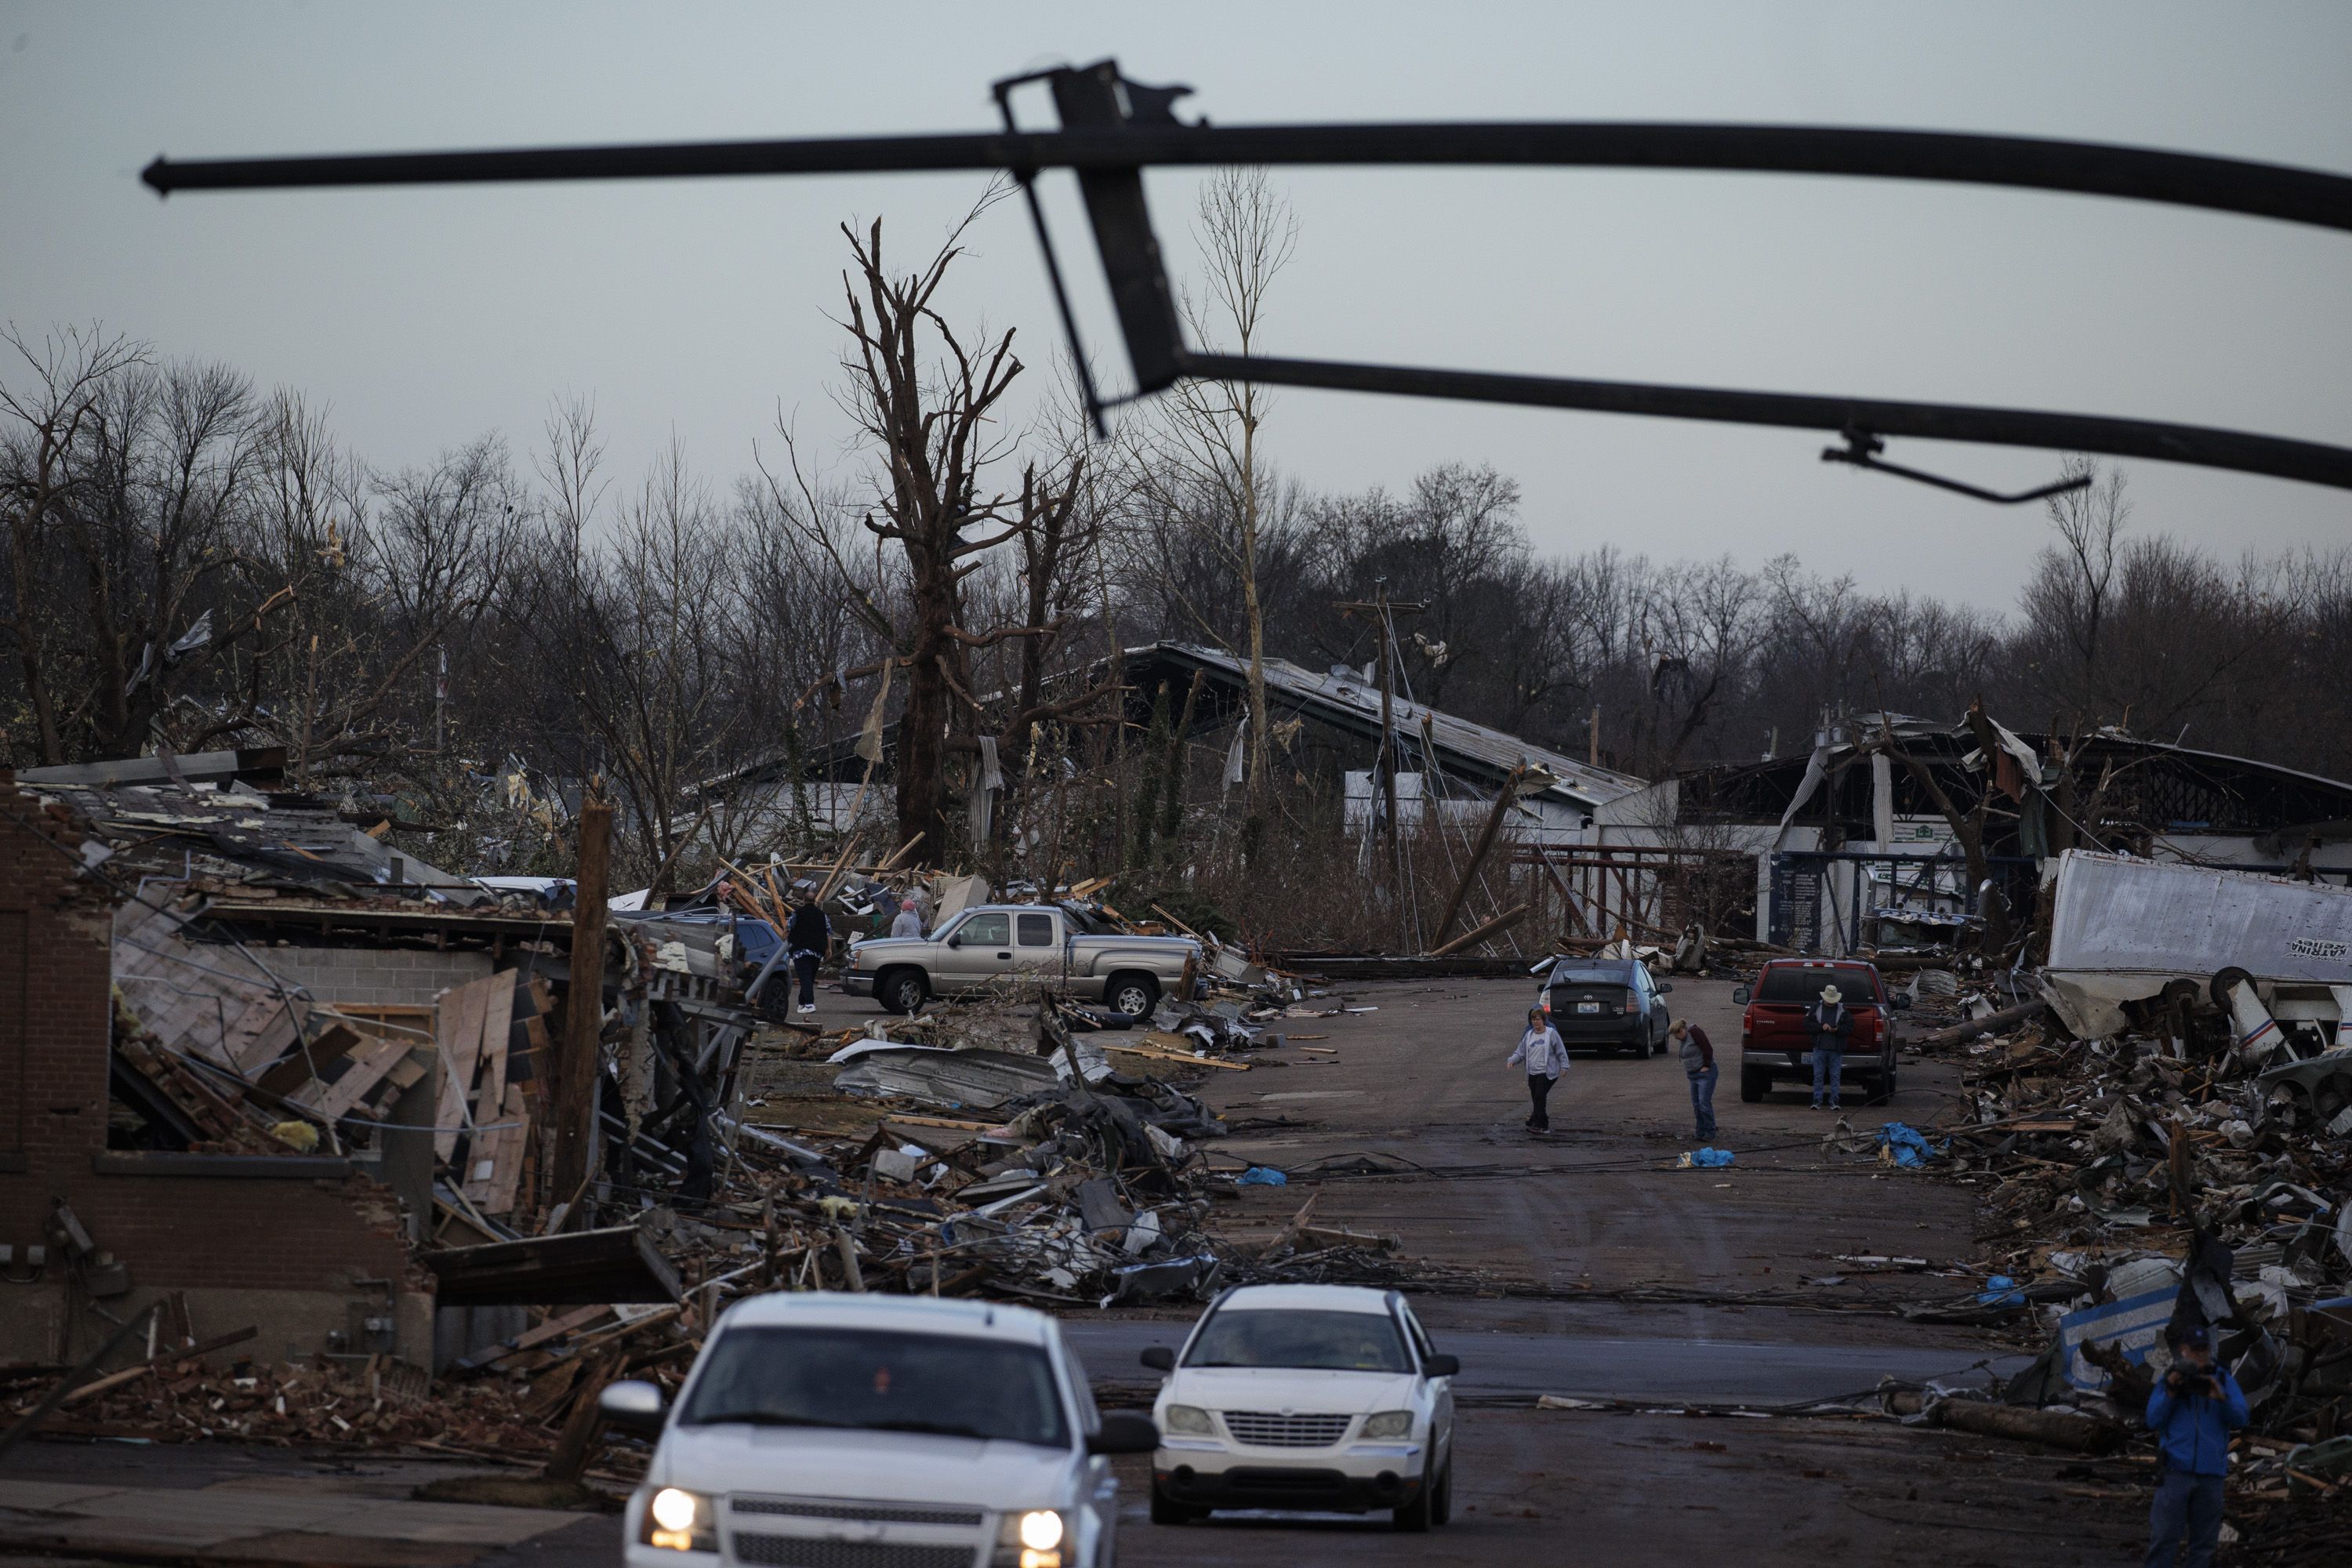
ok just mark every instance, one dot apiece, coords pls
pixel 1261 1177
pixel 2000 1290
pixel 1710 1158
pixel 1903 1145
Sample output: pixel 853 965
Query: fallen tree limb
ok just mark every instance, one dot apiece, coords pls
pixel 2007 1018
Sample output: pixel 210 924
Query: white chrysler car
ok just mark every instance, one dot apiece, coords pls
pixel 820 1430
pixel 1305 1396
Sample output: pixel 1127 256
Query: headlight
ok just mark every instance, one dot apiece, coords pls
pixel 1186 1418
pixel 1389 1424
pixel 680 1521
pixel 1031 1540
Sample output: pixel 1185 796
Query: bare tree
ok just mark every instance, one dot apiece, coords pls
pixel 1203 457
pixel 927 402
pixel 56 417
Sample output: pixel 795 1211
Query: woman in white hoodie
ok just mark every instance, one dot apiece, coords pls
pixel 1546 1056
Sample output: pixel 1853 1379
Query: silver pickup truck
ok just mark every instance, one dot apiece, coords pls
pixel 1056 946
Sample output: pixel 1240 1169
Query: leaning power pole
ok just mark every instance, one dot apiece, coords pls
pixel 577 1089
pixel 1387 609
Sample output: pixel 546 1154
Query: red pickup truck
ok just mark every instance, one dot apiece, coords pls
pixel 1774 1043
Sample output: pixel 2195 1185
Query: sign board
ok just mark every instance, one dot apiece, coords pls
pixel 2132 1325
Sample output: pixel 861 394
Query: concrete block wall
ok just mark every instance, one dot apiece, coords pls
pixel 382 975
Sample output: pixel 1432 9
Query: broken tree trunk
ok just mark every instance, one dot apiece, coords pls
pixel 1503 798
pixel 1477 934
pixel 1990 1024
pixel 584 1004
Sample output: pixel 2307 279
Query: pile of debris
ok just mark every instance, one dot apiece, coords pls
pixel 2162 1148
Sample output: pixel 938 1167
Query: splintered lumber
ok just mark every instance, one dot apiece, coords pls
pixel 1477 934
pixel 585 1267
pixel 1164 1053
pixel 305 1063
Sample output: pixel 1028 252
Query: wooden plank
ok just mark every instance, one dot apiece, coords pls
pixel 457 1030
pixel 365 1069
pixel 497 1025
pixel 512 1142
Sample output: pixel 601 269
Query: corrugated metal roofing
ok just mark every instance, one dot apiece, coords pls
pixel 1463 747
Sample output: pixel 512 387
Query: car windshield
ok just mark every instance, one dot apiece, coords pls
pixel 1804 984
pixel 880 1381
pixel 1330 1342
pixel 1083 921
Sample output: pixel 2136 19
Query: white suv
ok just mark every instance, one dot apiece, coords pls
pixel 820 1429
pixel 1305 1396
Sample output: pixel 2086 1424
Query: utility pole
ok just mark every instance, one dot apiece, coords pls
pixel 1387 610
pixel 576 1075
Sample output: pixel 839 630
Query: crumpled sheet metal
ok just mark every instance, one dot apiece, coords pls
pixel 948 1079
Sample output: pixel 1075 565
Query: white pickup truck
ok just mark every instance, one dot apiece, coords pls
pixel 1058 947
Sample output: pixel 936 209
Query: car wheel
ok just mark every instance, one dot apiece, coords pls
pixel 1754 1085
pixel 1442 1509
pixel 1134 995
pixel 903 991
pixel 1414 1517
pixel 1166 1509
pixel 1884 1091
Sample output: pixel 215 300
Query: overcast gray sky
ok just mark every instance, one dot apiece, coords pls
pixel 426 317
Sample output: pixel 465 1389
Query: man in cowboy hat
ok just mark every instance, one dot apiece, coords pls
pixel 1830 1021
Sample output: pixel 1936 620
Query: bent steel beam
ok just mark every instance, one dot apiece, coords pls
pixel 2310 461
pixel 2083 168
pixel 1114 129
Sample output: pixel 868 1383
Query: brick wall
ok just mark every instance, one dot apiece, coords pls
pixel 281 1254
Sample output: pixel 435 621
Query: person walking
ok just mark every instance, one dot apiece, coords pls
pixel 2192 1411
pixel 1831 1022
pixel 1546 1057
pixel 810 936
pixel 907 921
pixel 1698 1063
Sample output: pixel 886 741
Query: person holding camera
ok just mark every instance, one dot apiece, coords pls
pixel 2193 1410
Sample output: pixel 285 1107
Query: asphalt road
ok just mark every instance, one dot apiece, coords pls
pixel 1701 1372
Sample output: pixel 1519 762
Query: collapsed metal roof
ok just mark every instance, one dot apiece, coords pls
pixel 1347 702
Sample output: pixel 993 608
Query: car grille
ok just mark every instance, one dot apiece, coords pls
pixel 808 1552
pixel 802 1532
pixel 873 1513
pixel 1264 1429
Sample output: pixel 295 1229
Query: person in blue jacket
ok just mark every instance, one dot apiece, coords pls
pixel 2192 1411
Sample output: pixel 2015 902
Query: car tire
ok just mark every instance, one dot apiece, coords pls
pixel 1135 994
pixel 1415 1518
pixel 902 991
pixel 1754 1085
pixel 1441 1509
pixel 1884 1089
pixel 1166 1509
